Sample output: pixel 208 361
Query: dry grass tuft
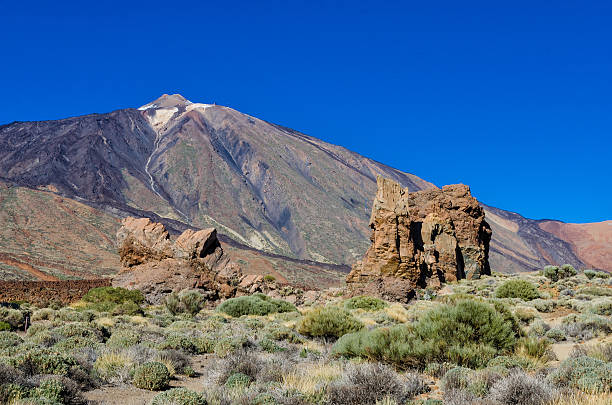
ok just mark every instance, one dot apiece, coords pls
pixel 583 399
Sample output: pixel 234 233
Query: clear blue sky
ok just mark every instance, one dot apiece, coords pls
pixel 514 99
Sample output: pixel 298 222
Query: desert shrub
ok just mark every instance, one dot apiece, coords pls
pixel 522 289
pixel 525 314
pixel 591 274
pixel 268 278
pixel 258 304
pixel 437 370
pixel 536 347
pixel 13 317
pixel 538 328
pixel 43 361
pixel 75 342
pixel 106 299
pixel 175 361
pixel 187 302
pixel 179 396
pixel 556 334
pixel 278 332
pixel 584 373
pixel 72 315
pixel 521 388
pixel 80 329
pixel 556 273
pixel 511 362
pixel 369 383
pixel 59 389
pixel 601 351
pixel 240 362
pixel 328 322
pixel 9 339
pixel 153 376
pixel 238 380
pixel 586 326
pixel 596 291
pixel 601 306
pixel 469 333
pixel 123 338
pixel 114 366
pixel 365 302
pixel 44 314
pixel 543 305
pixel 457 378
pixel 5 326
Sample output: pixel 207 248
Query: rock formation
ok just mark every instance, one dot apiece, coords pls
pixel 421 239
pixel 155 265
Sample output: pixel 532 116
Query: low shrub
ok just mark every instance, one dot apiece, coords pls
pixel 12 317
pixel 365 302
pixel 522 289
pixel 556 335
pixel 106 299
pixel 5 326
pixel 525 314
pixel 258 304
pixel 42 361
pixel 511 362
pixel 591 274
pixel 328 322
pixel 179 396
pixel 543 305
pixel 596 291
pixel 556 273
pixel 521 388
pixel 59 390
pixel 584 373
pixel 238 380
pixel 152 376
pixel 9 339
pixel 187 301
pixel 369 383
pixel 468 333
pixel 536 347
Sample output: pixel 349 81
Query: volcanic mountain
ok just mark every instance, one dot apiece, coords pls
pixel 270 190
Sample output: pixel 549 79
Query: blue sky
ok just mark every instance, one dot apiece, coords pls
pixel 513 99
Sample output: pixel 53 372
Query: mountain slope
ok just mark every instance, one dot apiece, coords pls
pixel 263 185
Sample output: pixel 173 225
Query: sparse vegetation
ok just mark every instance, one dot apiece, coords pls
pixel 467 346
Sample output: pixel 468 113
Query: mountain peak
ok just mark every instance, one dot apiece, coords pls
pixel 167 101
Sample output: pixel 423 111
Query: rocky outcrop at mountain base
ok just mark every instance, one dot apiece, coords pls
pixel 157 266
pixel 421 239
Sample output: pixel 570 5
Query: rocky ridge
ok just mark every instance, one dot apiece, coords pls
pixel 157 266
pixel 421 239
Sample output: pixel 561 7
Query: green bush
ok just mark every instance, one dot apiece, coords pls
pixel 536 347
pixel 5 326
pixel 106 299
pixel 186 302
pixel 42 361
pixel 238 380
pixel 329 322
pixel 469 333
pixel 596 274
pixel 152 376
pixel 522 289
pixel 365 302
pixel 556 334
pixel 543 305
pixel 179 396
pixel 58 390
pixel 13 317
pixel 557 273
pixel 584 373
pixel 258 304
pixel 123 338
pixel 9 339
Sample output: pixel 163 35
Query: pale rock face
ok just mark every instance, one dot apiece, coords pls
pixel 141 240
pixel 421 239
